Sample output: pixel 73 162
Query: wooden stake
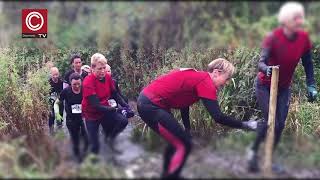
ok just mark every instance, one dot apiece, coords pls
pixel 267 169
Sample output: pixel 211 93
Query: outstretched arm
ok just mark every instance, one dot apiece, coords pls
pixel 214 110
pixel 119 99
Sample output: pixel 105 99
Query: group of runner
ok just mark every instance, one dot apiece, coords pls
pixel 90 97
pixel 90 94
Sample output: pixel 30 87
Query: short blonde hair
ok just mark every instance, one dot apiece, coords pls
pixel 288 11
pixel 54 69
pixel 222 65
pixel 98 58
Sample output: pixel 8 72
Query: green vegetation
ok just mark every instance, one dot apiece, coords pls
pixel 141 41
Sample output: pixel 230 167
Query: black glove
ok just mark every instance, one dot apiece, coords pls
pixel 130 113
pixel 269 71
pixel 126 112
pixel 312 93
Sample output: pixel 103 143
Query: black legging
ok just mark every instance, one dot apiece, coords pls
pixel 77 132
pixel 283 100
pixel 164 124
pixel 112 124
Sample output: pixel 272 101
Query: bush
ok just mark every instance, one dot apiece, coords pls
pixel 24 107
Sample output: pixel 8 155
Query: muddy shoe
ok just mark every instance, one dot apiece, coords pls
pixel 59 125
pixel 253 161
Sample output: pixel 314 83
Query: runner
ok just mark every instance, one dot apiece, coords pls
pixel 97 89
pixel 76 63
pixel 178 90
pixel 86 68
pixel 112 101
pixel 72 96
pixel 283 47
pixel 56 84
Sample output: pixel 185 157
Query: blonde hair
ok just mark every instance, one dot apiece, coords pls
pixel 222 65
pixel 288 11
pixel 98 58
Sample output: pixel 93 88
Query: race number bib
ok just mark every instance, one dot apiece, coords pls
pixel 53 96
pixel 112 103
pixel 76 109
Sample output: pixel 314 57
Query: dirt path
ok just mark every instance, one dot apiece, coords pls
pixel 204 161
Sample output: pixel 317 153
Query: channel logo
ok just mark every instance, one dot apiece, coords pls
pixel 34 23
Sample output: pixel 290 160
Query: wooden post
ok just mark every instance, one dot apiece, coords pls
pixel 267 169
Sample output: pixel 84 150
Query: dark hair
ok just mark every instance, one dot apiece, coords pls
pixel 75 56
pixel 75 76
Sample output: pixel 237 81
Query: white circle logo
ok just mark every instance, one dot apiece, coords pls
pixel 30 25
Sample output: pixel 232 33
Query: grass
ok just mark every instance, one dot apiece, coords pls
pixel 59 134
pixel 149 139
pixel 301 153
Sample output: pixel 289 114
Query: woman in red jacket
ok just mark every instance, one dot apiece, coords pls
pixel 98 87
pixel 283 47
pixel 179 89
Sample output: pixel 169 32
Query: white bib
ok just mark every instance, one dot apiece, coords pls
pixel 53 96
pixel 76 109
pixel 112 103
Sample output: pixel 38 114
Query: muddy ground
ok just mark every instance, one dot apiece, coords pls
pixel 203 162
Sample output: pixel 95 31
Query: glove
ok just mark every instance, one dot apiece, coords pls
pixel 250 125
pixel 130 113
pixel 58 117
pixel 312 93
pixel 122 111
pixel 269 70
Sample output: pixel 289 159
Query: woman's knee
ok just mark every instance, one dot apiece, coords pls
pixel 123 121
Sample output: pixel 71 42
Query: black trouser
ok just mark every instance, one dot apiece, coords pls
pixel 52 114
pixel 164 124
pixel 283 101
pixel 77 132
pixel 112 124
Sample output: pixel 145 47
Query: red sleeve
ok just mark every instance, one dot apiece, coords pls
pixel 88 87
pixel 206 89
pixel 267 41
